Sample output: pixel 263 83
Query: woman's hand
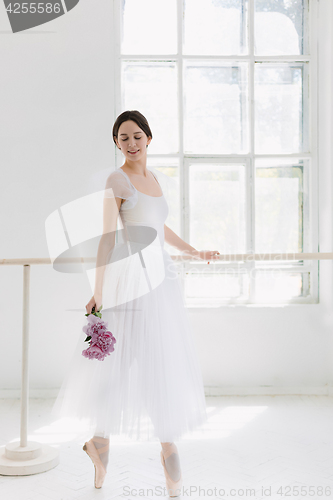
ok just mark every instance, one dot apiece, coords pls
pixel 207 255
pixel 96 300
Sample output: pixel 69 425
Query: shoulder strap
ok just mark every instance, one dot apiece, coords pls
pixel 155 178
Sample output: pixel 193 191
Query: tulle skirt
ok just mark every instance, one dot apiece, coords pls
pixel 150 387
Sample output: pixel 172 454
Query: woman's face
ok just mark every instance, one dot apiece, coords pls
pixel 132 140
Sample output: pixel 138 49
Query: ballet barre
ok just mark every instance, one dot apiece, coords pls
pixel 226 257
pixel 264 256
pixel 25 458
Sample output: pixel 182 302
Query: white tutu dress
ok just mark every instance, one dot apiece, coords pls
pixel 151 385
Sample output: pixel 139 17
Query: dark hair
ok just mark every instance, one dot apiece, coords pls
pixel 134 115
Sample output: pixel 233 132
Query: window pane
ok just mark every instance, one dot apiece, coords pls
pixel 279 286
pixel 217 285
pixel 281 104
pixel 280 27
pixel 217 195
pixel 143 85
pixel 215 107
pixel 281 205
pixel 217 27
pixel 169 167
pixel 149 27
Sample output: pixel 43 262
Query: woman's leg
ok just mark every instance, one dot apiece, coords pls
pixel 172 462
pixel 99 441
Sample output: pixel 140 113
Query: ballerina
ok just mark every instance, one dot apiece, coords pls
pixel 154 370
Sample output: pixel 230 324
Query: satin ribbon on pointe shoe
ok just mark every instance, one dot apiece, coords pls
pixel 94 453
pixel 173 487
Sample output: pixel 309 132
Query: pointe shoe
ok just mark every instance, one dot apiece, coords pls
pixel 93 453
pixel 173 487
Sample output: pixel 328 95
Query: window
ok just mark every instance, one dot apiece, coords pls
pixel 229 89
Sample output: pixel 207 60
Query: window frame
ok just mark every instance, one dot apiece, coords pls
pixel 311 85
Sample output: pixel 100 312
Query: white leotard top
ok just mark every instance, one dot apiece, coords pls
pixel 138 208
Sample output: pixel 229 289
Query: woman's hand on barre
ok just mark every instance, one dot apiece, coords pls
pixel 206 254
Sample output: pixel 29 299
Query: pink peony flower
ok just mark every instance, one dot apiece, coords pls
pixel 101 340
pixel 93 352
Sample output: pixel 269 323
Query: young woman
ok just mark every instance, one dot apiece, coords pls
pixel 151 385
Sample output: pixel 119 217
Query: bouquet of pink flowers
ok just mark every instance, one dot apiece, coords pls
pixel 101 341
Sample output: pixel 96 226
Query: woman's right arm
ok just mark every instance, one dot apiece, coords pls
pixel 111 207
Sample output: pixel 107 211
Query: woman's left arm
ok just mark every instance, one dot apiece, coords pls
pixel 175 241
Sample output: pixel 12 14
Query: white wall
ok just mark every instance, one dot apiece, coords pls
pixel 56 99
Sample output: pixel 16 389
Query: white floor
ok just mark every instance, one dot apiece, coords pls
pixel 255 447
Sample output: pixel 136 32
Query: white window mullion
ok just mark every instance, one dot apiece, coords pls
pixel 238 57
pixel 251 206
pixel 117 27
pixel 184 230
pixel 312 42
pixel 235 155
pixel 182 169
